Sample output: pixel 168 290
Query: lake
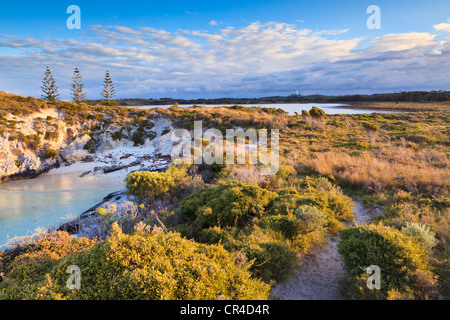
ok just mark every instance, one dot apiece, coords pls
pixel 291 108
pixel 46 200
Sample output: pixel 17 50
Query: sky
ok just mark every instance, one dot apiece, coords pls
pixel 214 49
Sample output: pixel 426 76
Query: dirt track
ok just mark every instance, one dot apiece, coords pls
pixel 318 275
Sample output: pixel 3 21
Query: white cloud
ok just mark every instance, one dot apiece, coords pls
pixel 213 23
pixel 442 26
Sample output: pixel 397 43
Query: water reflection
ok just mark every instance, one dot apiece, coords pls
pixel 46 200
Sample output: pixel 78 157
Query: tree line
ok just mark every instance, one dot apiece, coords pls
pixel 50 89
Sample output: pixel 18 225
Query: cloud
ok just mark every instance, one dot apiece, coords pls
pixel 258 59
pixel 442 26
pixel 213 23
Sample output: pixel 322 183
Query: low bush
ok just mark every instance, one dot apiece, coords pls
pixel 155 184
pixel 50 153
pixel 228 204
pixel 26 267
pixel 422 233
pixel 403 262
pixel 157 266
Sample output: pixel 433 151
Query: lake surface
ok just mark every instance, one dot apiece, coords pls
pixel 291 108
pixel 46 200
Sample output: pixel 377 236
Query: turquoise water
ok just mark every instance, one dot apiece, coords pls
pixel 46 200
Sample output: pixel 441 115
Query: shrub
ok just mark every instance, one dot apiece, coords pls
pixel 138 136
pixel 288 225
pixel 371 130
pixel 51 135
pixel 228 204
pixel 317 113
pixel 422 233
pixel 311 218
pixel 27 267
pixel 117 135
pixel 404 265
pixel 284 171
pixel 157 266
pixel 155 184
pixel 273 258
pixel 50 153
pixel 320 193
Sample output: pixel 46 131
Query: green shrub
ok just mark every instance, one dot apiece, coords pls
pixel 138 136
pixel 311 218
pixel 228 204
pixel 157 266
pixel 27 267
pixel 320 193
pixel 288 225
pixel 404 263
pixel 285 171
pixel 273 257
pixel 51 135
pixel 317 113
pixel 155 184
pixel 370 126
pixel 421 233
pixel 118 135
pixel 50 153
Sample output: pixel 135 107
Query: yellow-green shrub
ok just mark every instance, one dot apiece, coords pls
pixel 228 204
pixel 403 262
pixel 27 267
pixel 157 266
pixel 154 184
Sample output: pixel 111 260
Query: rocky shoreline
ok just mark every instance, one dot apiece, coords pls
pixel 113 157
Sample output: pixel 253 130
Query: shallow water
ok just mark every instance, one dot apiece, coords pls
pixel 291 108
pixel 47 200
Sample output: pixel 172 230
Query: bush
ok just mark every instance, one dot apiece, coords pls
pixel 404 265
pixel 320 193
pixel 27 267
pixel 50 153
pixel 155 184
pixel 228 204
pixel 311 218
pixel 317 113
pixel 118 135
pixel 273 258
pixel 421 233
pixel 157 266
pixel 138 136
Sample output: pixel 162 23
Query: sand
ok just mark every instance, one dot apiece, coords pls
pixel 319 272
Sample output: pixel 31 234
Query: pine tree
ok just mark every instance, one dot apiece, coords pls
pixel 49 88
pixel 77 87
pixel 108 89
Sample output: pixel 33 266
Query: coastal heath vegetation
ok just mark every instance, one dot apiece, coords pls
pixel 225 232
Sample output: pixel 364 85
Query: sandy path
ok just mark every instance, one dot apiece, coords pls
pixel 320 271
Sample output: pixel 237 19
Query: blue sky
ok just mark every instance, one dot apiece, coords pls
pixel 185 49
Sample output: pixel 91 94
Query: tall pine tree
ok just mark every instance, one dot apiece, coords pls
pixel 108 89
pixel 49 88
pixel 77 87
